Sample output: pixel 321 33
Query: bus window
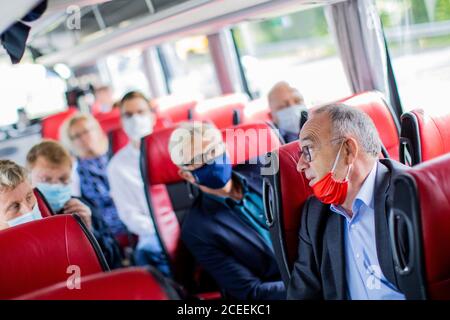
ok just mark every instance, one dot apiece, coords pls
pixel 418 37
pixel 127 72
pixel 297 48
pixel 190 69
pixel 38 90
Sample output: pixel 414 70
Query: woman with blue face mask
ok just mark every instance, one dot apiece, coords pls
pixel 18 203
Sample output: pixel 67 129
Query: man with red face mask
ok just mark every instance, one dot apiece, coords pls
pixel 344 250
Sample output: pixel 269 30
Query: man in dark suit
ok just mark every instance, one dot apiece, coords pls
pixel 226 229
pixel 344 250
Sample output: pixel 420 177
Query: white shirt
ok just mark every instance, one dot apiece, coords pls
pixel 128 193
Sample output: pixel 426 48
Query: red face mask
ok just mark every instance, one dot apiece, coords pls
pixel 330 191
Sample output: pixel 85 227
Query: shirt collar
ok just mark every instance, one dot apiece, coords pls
pixel 230 201
pixel 364 196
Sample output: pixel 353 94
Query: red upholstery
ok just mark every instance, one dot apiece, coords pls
pixel 294 190
pixel 37 254
pixel 375 106
pixel 123 284
pixel 247 141
pixel 51 124
pixel 45 209
pixel 221 110
pixel 176 112
pixel 433 134
pixel 433 189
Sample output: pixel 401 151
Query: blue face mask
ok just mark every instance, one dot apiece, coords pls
pixel 215 174
pixel 35 214
pixel 56 194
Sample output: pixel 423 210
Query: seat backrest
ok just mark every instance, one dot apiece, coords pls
pixel 122 284
pixel 44 252
pixel 383 117
pixel 42 203
pixel 285 191
pixel 52 123
pixel 175 109
pixel 224 112
pixel 420 230
pixel 423 137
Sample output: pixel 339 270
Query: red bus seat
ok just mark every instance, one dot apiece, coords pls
pixel 224 112
pixel 51 124
pixel 383 117
pixel 285 191
pixel 423 137
pixel 158 170
pixel 39 253
pixel 123 284
pixel 175 109
pixel 421 205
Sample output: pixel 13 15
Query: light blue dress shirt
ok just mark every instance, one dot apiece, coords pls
pixel 365 280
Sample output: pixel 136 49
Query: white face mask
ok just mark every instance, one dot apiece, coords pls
pixel 138 126
pixel 289 118
pixel 35 214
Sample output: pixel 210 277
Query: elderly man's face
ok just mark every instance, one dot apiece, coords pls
pixel 283 97
pixel 17 202
pixel 316 134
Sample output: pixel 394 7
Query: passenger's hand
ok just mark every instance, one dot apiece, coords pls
pixel 75 206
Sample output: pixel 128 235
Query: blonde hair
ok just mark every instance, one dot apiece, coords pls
pixel 66 139
pixel 189 138
pixel 11 175
pixel 50 150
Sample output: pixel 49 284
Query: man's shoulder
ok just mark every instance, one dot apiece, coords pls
pixel 118 160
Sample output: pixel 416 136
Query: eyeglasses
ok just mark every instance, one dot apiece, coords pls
pixel 306 150
pixel 80 134
pixel 203 158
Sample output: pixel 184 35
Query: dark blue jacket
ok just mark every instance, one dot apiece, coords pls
pixel 231 251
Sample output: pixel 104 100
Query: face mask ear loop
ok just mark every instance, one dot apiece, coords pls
pixel 337 158
pixel 348 171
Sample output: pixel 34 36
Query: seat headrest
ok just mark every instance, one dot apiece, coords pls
pixel 52 123
pixel 41 253
pixel 224 111
pixel 381 114
pixel 243 142
pixel 124 284
pixel 434 134
pixel 109 121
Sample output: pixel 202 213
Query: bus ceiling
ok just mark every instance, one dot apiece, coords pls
pixel 78 32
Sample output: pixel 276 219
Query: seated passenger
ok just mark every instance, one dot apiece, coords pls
pixel 344 250
pixel 226 229
pixel 84 137
pixel 50 167
pixel 286 104
pixel 18 204
pixel 127 187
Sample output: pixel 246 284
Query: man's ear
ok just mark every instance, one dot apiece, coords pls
pixel 351 150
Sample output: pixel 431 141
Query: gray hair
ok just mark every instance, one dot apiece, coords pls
pixel 11 175
pixel 347 120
